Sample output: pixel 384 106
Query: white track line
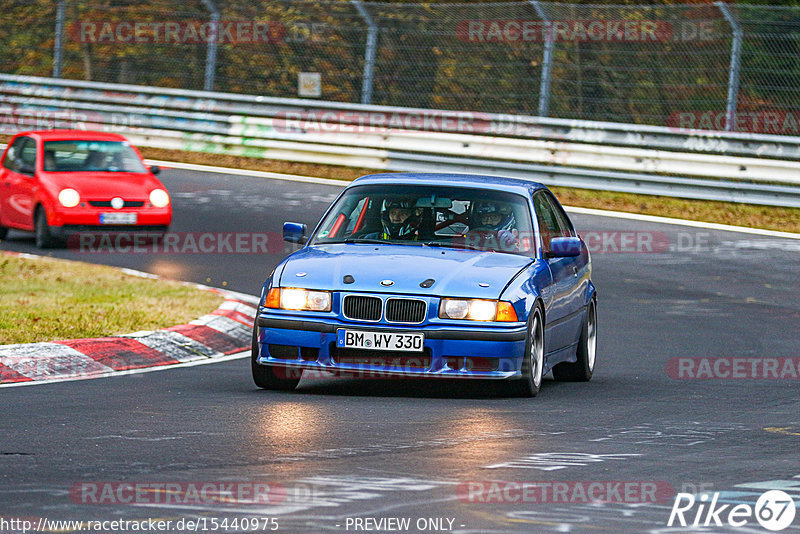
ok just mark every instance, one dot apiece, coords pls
pixel 682 222
pixel 573 209
pixel 244 172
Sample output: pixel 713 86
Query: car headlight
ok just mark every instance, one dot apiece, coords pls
pixel 292 298
pixel 69 198
pixel 477 310
pixel 159 198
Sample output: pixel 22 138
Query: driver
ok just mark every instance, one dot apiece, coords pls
pixel 397 218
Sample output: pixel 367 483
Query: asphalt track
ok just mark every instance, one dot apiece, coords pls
pixel 339 449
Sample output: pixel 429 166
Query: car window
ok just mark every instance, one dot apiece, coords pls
pixel 28 153
pixel 99 156
pixel 567 230
pixel 549 224
pixel 430 215
pixel 12 159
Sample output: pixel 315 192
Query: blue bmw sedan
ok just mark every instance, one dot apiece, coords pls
pixel 432 275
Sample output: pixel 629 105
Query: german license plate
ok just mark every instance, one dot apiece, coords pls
pixel 118 218
pixel 356 339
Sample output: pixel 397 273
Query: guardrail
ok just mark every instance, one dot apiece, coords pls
pixel 738 167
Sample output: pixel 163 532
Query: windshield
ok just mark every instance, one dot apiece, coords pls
pixel 478 219
pixel 100 156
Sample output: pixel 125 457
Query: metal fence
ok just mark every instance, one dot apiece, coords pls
pixel 687 66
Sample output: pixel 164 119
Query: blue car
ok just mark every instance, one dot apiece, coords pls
pixel 432 275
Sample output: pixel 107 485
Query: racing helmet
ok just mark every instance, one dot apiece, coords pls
pixel 492 216
pixel 397 218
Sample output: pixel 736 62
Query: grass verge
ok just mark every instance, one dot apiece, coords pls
pixel 767 217
pixel 47 299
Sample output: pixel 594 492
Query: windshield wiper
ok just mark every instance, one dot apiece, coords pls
pixel 450 244
pixel 365 240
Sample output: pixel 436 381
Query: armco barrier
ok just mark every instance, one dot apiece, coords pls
pixel 737 167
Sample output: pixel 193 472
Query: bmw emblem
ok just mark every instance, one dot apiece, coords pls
pixel 387 283
pixel 117 203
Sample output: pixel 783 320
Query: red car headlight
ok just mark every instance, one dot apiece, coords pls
pixel 69 198
pixel 159 198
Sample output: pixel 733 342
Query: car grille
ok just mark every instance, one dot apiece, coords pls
pixel 362 308
pixel 107 203
pixel 405 310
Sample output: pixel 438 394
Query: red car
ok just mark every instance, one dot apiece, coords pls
pixel 59 182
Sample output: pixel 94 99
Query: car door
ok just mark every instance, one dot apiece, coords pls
pixel 19 183
pixel 579 267
pixel 559 297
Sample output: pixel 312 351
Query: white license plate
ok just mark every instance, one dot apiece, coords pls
pixel 118 218
pixel 356 339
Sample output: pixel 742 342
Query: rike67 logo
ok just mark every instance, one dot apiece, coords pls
pixel 774 510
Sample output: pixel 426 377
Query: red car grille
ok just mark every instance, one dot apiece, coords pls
pixel 107 203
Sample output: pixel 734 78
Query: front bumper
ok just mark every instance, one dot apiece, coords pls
pixel 449 352
pixel 88 218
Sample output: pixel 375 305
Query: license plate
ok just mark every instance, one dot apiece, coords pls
pixel 118 218
pixel 355 339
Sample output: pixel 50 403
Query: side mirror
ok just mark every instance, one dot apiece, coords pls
pixel 155 169
pixel 294 233
pixel 564 247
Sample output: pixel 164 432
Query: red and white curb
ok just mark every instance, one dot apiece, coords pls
pixel 219 336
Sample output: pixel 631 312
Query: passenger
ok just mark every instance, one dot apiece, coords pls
pixel 493 227
pixel 492 216
pixel 49 160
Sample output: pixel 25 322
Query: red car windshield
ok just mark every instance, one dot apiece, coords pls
pixel 98 156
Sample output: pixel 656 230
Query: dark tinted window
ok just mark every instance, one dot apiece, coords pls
pixel 28 153
pixel 13 154
pixel 101 156
pixel 432 215
pixel 546 215
pixel 567 230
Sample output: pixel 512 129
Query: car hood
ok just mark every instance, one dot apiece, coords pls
pixel 457 273
pixel 105 185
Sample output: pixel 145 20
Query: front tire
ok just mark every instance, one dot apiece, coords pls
pixel 533 361
pixel 44 234
pixel 264 375
pixel 582 370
